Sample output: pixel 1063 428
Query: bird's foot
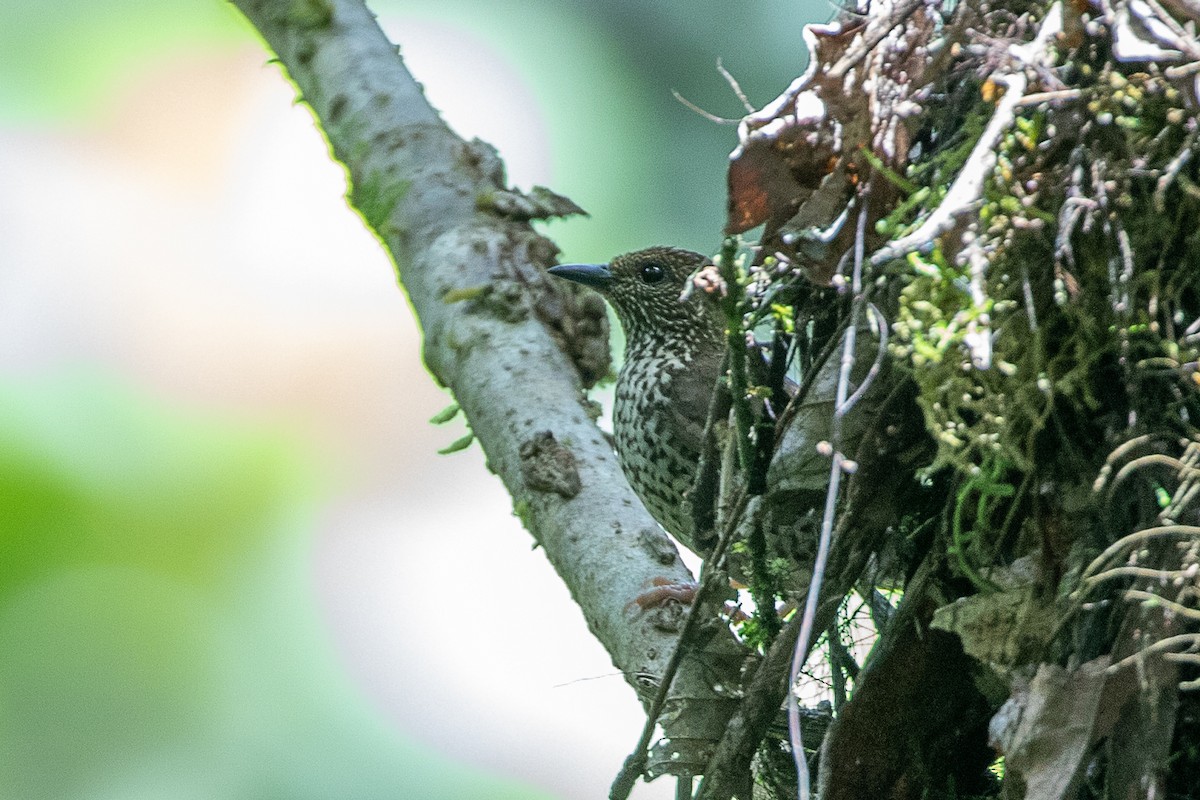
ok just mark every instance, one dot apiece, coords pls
pixel 664 591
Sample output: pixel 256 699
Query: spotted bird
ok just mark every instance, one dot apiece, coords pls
pixel 674 346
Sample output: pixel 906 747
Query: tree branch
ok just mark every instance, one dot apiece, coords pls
pixel 497 333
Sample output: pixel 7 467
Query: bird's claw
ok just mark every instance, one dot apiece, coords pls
pixel 664 591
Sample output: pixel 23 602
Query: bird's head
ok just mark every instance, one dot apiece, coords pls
pixel 646 289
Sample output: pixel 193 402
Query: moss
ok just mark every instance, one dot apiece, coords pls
pixel 1085 282
pixel 310 13
pixel 376 198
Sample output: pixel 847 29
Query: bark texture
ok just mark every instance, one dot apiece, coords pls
pixel 515 349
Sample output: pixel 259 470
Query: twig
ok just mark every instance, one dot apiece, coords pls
pixel 1140 572
pixel 1134 539
pixel 1183 71
pixel 1182 41
pixel 1073 207
pixel 737 87
pixel 1187 656
pixel 1191 640
pixel 708 115
pixel 1174 607
pixel 881 331
pixel 731 307
pixel 1172 170
pixel 803 788
pixel 1054 96
pixel 813 368
pixel 882 610
pixel 877 28
pixel 1157 459
pixel 837 653
pixel 1027 296
pixel 1119 452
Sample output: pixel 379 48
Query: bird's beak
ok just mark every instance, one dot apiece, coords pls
pixel 598 276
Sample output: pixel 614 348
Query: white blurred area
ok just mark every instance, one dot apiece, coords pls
pixel 197 241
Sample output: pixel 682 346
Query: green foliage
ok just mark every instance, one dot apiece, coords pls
pixel 376 198
pixel 784 317
pixel 965 537
pixel 445 415
pixel 1059 318
pixel 311 13
pixel 462 443
pixel 757 635
pixel 160 634
pixel 521 511
pixel 60 60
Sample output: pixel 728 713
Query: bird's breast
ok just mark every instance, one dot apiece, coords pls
pixel 658 437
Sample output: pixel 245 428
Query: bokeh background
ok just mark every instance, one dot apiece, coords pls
pixel 232 564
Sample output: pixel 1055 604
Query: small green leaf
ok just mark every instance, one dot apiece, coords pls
pixel 457 444
pixel 521 511
pixel 445 415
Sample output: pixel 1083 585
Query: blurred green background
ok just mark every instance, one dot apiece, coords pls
pixel 231 563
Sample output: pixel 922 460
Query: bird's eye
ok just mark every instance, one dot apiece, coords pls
pixel 653 272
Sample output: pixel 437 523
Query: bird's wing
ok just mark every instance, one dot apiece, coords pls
pixel 690 395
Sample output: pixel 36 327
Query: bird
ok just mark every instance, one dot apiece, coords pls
pixel 674 350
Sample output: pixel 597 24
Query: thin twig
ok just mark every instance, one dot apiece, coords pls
pixel 1027 296
pixel 1050 97
pixel 1137 538
pixel 737 87
pixel 1184 42
pixel 876 29
pixel 881 331
pixel 1175 608
pixel 1141 462
pixel 1172 171
pixel 731 306
pixel 1119 452
pixel 1182 71
pixel 837 678
pixel 1140 572
pixel 1191 640
pixel 803 788
pixel 708 115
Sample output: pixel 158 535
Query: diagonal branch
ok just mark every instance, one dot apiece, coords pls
pixel 496 332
